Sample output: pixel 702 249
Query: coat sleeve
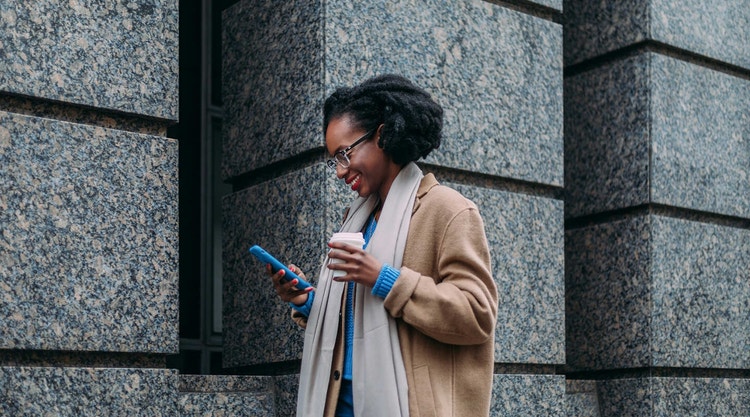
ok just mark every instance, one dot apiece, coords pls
pixel 459 305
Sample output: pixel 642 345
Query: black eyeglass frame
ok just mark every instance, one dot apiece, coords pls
pixel 333 163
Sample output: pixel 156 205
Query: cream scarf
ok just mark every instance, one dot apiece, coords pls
pixel 379 383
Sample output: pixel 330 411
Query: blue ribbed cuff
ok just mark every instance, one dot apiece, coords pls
pixel 307 307
pixel 387 277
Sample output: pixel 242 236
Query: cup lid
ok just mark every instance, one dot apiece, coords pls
pixel 348 236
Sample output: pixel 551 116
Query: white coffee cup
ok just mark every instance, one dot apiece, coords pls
pixel 354 239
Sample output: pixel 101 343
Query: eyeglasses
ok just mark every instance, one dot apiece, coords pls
pixel 342 157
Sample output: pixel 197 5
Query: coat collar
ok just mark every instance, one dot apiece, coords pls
pixel 428 182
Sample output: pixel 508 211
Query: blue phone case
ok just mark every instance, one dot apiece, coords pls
pixel 266 258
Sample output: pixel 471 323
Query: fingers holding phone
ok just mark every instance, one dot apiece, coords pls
pixel 290 284
pixel 286 289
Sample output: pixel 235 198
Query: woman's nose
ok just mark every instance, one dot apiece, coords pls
pixel 340 171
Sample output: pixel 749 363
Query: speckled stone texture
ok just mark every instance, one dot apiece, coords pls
pixel 272 82
pixel 717 30
pixel 680 138
pixel 59 111
pixel 581 399
pixel 657 291
pixel 286 394
pixel 595 28
pixel 665 397
pixel 219 395
pixel 607 138
pixel 292 217
pixel 491 68
pixel 525 235
pixel 88 247
pixel 117 55
pixel 528 395
pixel 37 391
pixel 701 297
pixel 607 295
pixel 700 135
pixel 557 5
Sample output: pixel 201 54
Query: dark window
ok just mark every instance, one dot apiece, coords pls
pixel 199 134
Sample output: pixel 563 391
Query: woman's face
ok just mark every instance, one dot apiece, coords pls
pixel 370 169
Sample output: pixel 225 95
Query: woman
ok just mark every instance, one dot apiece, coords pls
pixel 409 329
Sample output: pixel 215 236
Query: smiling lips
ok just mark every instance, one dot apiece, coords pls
pixel 355 182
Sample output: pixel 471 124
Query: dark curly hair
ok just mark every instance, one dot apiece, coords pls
pixel 412 120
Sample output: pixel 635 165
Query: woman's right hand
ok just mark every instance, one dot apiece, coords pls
pixel 286 290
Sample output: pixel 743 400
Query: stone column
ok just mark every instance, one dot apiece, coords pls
pixel 497 70
pixel 88 208
pixel 657 154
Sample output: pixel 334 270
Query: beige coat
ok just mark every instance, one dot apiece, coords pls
pixel 445 305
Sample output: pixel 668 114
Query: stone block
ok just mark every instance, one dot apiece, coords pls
pixel 700 295
pixel 239 396
pixel 700 134
pixel 88 247
pixel 607 295
pixel 678 140
pixel 528 395
pixel 673 396
pixel 39 391
pixel 118 55
pixel 714 30
pixel 525 234
pixel 488 66
pixel 654 291
pixel 272 82
pixel 581 398
pixel 286 394
pixel 607 138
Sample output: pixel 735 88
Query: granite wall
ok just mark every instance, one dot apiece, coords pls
pixel 623 278
pixel 88 208
pixel 657 157
pixel 497 71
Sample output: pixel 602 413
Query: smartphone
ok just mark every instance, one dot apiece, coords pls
pixel 266 258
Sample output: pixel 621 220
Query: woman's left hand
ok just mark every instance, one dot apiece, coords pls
pixel 360 266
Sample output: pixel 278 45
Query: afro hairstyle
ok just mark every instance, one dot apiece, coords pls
pixel 412 121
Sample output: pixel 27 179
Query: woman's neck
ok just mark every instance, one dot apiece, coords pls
pixel 378 209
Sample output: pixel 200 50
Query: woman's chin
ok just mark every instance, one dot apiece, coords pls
pixel 362 192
